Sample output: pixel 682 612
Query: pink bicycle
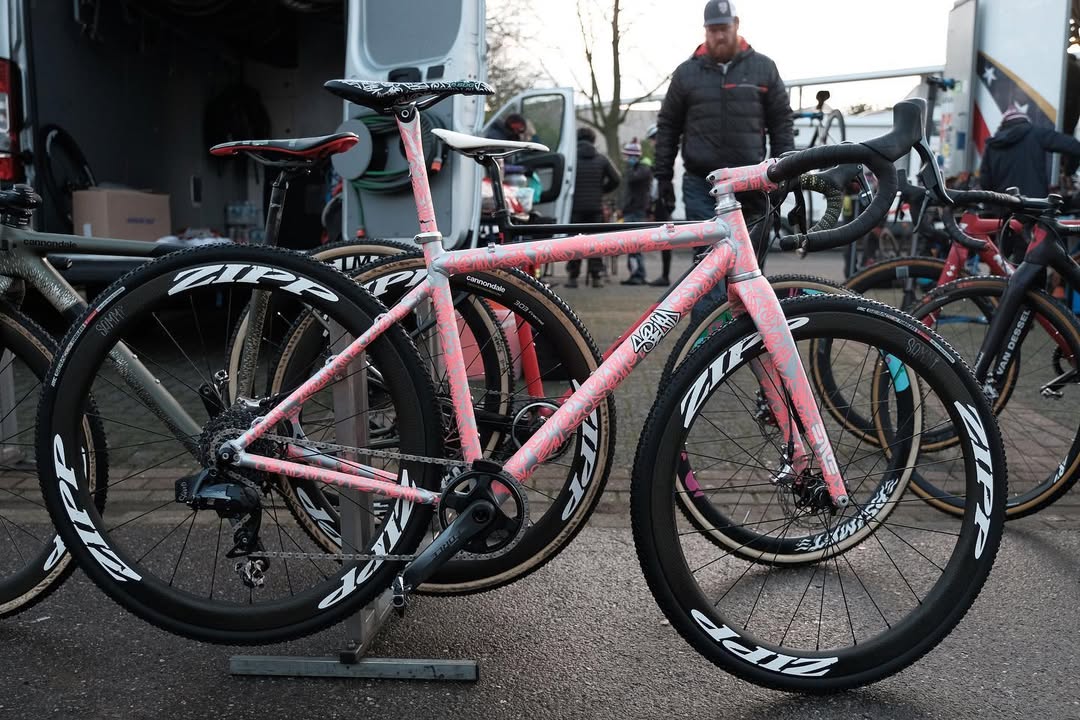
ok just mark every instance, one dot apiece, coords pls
pixel 833 578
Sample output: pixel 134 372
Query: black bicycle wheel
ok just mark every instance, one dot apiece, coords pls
pixel 64 169
pixel 563 492
pixel 191 542
pixel 853 616
pixel 1032 385
pixel 33 559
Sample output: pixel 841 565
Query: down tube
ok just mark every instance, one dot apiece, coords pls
pixel 764 308
pixel 560 426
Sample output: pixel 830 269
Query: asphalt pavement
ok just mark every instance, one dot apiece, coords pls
pixel 581 638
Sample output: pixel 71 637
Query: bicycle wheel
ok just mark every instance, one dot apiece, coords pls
pixel 832 130
pixel 1039 425
pixel 899 282
pixel 488 362
pixel 64 170
pixel 539 329
pixel 33 560
pixel 194 544
pixel 855 615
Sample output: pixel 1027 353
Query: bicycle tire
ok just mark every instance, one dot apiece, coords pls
pixel 880 282
pixel 559 333
pixel 916 614
pixel 33 559
pixel 1026 417
pixel 106 545
pixel 64 169
pixel 832 131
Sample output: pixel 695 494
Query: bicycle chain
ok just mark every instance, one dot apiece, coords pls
pixel 289 555
pixel 389 454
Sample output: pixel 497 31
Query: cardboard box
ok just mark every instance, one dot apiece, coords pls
pixel 123 214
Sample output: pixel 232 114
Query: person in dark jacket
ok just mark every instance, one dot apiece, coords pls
pixel 595 176
pixel 721 105
pixel 1016 154
pixel 513 127
pixel 659 210
pixel 636 204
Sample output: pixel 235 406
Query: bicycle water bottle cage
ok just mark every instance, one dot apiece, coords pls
pixel 290 154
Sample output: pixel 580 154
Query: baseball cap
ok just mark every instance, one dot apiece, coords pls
pixel 719 12
pixel 632 148
pixel 651 132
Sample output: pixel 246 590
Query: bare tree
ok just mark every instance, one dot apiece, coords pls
pixel 510 70
pixel 607 114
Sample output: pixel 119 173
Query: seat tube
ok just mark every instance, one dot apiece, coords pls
pixel 408 122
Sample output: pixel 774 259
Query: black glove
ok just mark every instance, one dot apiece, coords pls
pixel 666 191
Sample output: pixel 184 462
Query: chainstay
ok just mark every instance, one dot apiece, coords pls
pixel 372 452
pixel 288 555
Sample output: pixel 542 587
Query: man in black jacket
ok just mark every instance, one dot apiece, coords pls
pixel 1016 155
pixel 721 104
pixel 595 176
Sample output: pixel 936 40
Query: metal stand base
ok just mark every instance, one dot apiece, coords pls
pixel 351 663
pixel 368 668
pixel 351 427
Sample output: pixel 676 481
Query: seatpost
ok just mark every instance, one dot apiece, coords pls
pixel 494 173
pixel 277 203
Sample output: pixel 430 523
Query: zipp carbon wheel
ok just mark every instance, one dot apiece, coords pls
pixel 33 559
pixel 858 612
pixel 190 542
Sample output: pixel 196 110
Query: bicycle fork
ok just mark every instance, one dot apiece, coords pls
pixel 784 384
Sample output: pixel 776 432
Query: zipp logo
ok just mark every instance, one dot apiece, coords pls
pixel 319 516
pixel 590 434
pixel 56 555
pixel 387 541
pixel 247 274
pixel 719 369
pixel 981 447
pixel 408 278
pixel 82 523
pixel 763 658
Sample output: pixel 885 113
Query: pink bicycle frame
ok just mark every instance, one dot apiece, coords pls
pixel 731 255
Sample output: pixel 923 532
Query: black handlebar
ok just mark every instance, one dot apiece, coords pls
pixel 877 155
pixel 952 229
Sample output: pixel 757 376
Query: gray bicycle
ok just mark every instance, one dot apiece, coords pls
pixel 33 559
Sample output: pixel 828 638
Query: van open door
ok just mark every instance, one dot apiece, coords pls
pixel 551 112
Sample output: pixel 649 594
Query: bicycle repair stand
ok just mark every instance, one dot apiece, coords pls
pixel 351 427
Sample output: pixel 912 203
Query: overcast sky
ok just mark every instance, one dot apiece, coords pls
pixel 805 38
